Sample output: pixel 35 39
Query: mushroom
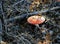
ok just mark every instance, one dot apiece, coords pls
pixel 36 20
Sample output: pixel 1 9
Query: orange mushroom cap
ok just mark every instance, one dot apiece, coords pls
pixel 36 19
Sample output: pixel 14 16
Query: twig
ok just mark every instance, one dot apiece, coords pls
pixel 34 13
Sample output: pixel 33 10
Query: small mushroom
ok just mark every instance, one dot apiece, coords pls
pixel 36 20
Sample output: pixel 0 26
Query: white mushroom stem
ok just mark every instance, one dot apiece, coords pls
pixel 37 25
pixel 43 31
